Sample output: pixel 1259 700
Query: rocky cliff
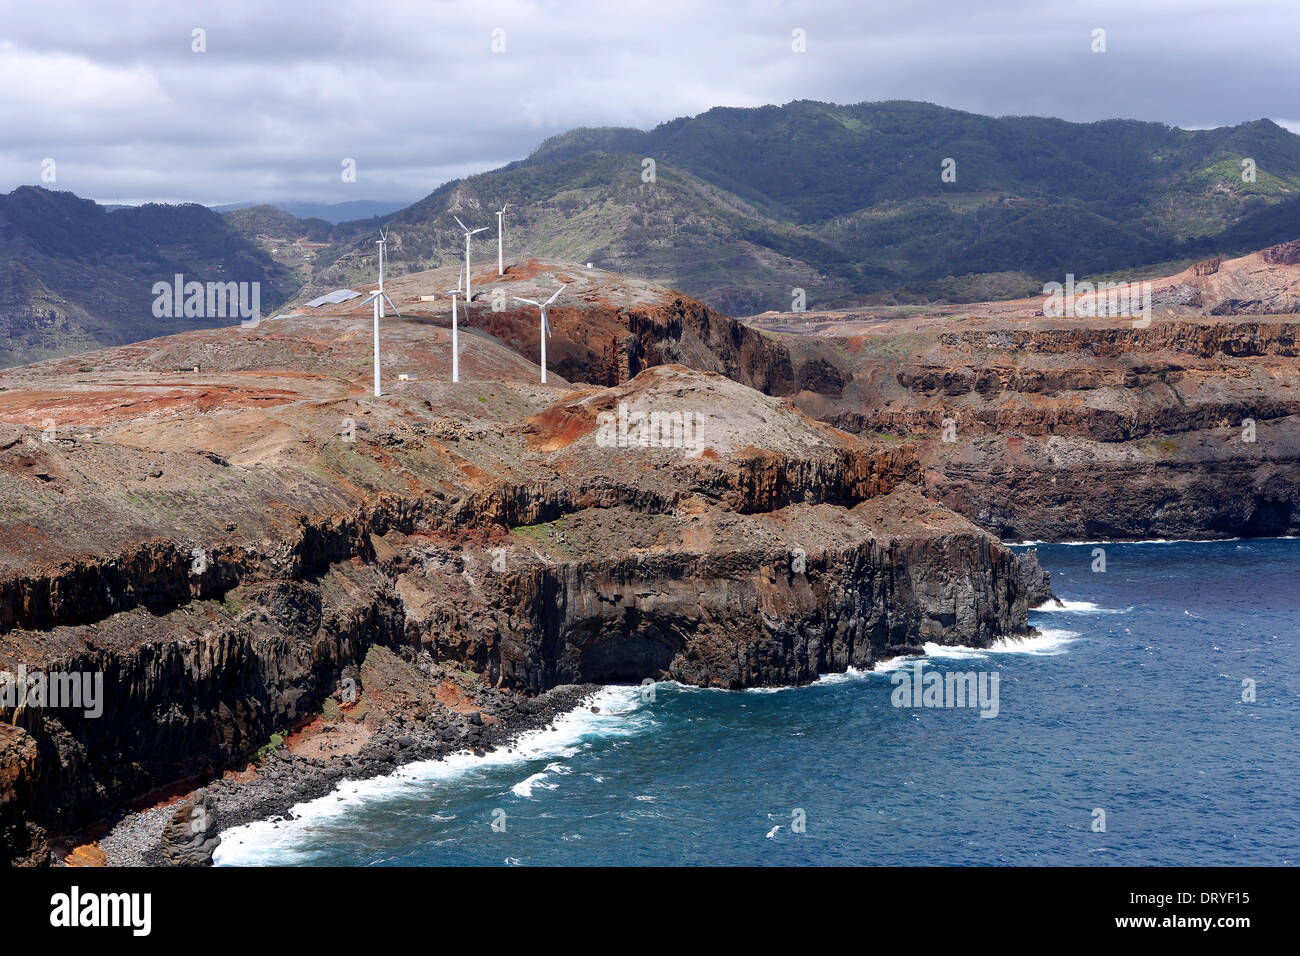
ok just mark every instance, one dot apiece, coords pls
pixel 259 557
pixel 1080 427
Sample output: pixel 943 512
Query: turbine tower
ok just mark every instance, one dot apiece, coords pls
pixel 501 268
pixel 455 339
pixel 378 297
pixel 469 295
pixel 545 330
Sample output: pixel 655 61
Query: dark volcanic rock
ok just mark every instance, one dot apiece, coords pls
pixel 1035 580
pixel 190 835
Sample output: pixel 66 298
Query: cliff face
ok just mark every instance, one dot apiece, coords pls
pixel 1078 428
pixel 761 592
pixel 229 550
pixel 1033 428
pixel 184 694
pixel 1177 430
pixel 759 617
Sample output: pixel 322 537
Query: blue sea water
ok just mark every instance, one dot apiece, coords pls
pixel 1130 703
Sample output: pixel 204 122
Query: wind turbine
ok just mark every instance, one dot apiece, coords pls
pixel 379 297
pixel 501 269
pixel 380 242
pixel 468 294
pixel 545 330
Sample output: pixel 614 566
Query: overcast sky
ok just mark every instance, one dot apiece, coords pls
pixel 411 89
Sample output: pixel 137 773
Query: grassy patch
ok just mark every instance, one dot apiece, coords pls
pixel 275 743
pixel 557 539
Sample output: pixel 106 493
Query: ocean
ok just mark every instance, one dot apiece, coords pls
pixel 1154 722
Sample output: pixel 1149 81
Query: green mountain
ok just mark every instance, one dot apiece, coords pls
pixel 327 212
pixel 744 206
pixel 253 221
pixel 848 201
pixel 74 276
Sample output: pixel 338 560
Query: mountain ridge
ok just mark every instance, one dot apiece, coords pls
pixel 847 201
pixel 746 209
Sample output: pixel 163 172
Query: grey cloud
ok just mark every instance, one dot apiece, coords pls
pixel 412 91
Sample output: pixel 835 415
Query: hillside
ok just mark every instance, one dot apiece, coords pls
pixel 1079 428
pixel 1062 428
pixel 229 519
pixel 74 276
pixel 261 549
pixel 846 202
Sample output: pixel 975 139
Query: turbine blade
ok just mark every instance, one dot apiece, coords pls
pixel 546 325
pixel 459 223
pixel 369 299
pixel 557 292
pixel 390 302
pixel 480 229
pixel 529 301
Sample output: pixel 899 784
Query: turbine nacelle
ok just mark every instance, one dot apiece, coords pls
pixel 468 234
pixel 378 294
pixel 468 231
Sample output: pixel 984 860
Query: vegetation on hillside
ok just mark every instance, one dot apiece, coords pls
pixel 845 201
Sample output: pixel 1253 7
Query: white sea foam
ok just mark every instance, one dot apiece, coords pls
pixel 893 664
pixel 853 674
pixel 541 780
pixel 1049 642
pixel 1065 605
pixel 1078 607
pixel 1080 544
pixel 844 677
pixel 693 689
pixel 620 715
pixel 954 652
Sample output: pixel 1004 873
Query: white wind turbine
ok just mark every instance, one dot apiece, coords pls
pixel 468 293
pixel 501 269
pixel 545 330
pixel 379 297
pixel 380 242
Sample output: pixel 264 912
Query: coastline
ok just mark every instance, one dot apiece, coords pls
pixel 284 779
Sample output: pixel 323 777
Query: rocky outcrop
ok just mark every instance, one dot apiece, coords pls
pixel 187 693
pixel 1283 254
pixel 456 555
pixel 737 619
pixel 190 836
pixel 1081 429
pixel 1035 580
